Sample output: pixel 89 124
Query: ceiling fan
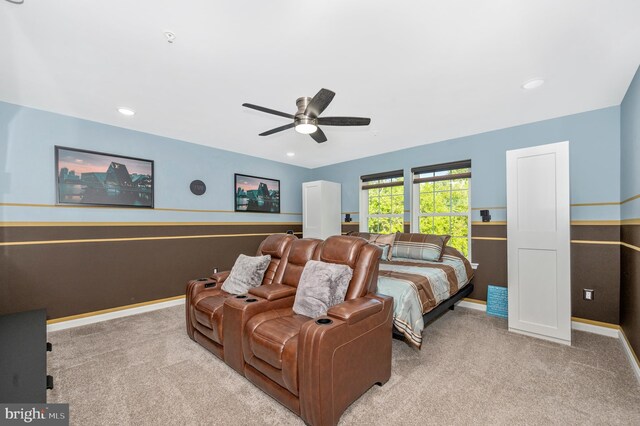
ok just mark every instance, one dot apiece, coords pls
pixel 307 119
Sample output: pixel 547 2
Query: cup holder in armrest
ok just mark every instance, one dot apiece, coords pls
pixel 211 284
pixel 251 300
pixel 202 279
pixel 324 321
pixel 242 296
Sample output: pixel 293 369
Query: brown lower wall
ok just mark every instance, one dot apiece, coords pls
pixel 630 286
pixel 74 277
pixel 594 266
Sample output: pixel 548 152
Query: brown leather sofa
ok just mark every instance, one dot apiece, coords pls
pixel 317 367
pixel 205 298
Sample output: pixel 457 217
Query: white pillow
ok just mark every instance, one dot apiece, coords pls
pixel 322 285
pixel 246 274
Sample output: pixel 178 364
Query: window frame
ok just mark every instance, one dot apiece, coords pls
pixel 364 202
pixel 416 214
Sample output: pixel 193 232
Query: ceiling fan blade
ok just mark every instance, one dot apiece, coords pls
pixel 319 103
pixel 318 136
pixel 344 121
pixel 269 111
pixel 278 129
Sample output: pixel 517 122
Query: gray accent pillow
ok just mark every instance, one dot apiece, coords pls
pixel 321 286
pixel 246 274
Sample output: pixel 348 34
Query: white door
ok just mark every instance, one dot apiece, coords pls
pixel 538 242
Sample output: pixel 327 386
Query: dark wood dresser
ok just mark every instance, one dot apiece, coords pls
pixel 23 357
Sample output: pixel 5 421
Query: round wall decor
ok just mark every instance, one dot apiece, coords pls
pixel 198 187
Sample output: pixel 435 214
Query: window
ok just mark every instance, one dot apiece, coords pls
pixel 441 195
pixel 382 202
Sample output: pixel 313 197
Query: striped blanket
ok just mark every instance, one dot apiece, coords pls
pixel 418 286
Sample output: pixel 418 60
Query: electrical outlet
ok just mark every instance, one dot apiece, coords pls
pixel 588 294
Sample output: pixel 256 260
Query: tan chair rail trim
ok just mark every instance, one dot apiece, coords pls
pixel 608 243
pixel 595 222
pixel 70 206
pixel 26 224
pixel 489 238
pixel 635 197
pixel 631 246
pixel 576 222
pixel 116 309
pixel 603 203
pixel 118 240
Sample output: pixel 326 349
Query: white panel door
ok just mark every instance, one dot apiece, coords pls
pixel 312 210
pixel 538 241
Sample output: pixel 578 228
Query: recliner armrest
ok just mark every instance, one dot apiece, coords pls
pixel 219 277
pixel 273 291
pixel 200 288
pixel 353 311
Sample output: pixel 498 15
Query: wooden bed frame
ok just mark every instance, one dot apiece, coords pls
pixel 448 304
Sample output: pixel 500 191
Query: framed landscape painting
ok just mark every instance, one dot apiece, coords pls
pixel 256 194
pixel 99 179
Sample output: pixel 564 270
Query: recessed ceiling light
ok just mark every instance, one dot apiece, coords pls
pixel 532 84
pixel 290 154
pixel 126 111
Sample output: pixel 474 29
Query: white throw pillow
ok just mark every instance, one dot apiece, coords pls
pixel 246 274
pixel 321 286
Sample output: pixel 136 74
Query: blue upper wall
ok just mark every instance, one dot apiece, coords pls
pixel 27 172
pixel 594 151
pixel 27 138
pixel 630 150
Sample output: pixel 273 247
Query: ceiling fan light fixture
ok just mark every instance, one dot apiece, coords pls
pixel 306 128
pixel 307 119
pixel 305 125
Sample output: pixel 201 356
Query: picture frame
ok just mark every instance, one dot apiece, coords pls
pixel 254 194
pixel 94 178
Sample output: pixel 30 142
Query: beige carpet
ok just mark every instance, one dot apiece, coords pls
pixel 144 370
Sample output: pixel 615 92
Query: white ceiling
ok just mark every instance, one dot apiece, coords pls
pixel 424 71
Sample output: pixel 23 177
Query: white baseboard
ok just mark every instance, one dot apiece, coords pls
pixel 112 315
pixel 595 329
pixel 575 325
pixel 635 365
pixel 472 305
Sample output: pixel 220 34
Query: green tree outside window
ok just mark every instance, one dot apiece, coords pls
pixel 385 207
pixel 443 207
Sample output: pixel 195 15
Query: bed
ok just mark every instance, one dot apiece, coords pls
pixel 421 289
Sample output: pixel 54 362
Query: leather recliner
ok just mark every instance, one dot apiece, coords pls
pixel 279 294
pixel 317 367
pixel 205 298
